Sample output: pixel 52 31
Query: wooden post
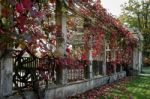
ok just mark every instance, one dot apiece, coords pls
pixel 6 78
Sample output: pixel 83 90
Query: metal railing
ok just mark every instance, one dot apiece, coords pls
pixel 75 74
pixel 28 71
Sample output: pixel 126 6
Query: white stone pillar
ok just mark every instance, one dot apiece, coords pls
pixel 6 78
pixel 121 68
pixel 140 61
pixel 140 54
pixel 61 21
pixel 64 35
pixel 114 58
pixel 90 65
pixel 104 58
pixel 135 59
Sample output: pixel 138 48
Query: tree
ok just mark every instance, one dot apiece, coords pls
pixel 136 14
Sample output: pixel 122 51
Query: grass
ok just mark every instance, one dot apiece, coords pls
pixel 146 69
pixel 136 88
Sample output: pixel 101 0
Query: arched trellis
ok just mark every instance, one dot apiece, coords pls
pixel 100 22
pixel 98 26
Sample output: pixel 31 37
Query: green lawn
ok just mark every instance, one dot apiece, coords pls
pixel 146 70
pixel 135 88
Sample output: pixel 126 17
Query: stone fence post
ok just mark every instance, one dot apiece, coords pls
pixel 6 75
pixel 61 77
pixel 90 66
pixel 104 58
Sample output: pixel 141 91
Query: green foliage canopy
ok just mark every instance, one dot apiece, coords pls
pixel 137 14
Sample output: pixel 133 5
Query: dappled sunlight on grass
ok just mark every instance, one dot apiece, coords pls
pixel 136 87
pixel 139 87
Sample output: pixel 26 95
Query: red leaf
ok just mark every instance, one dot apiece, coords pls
pixel 5 12
pixel 84 57
pixel 21 23
pixel 67 50
pixel 22 28
pixel 19 7
pixel 40 14
pixel 21 20
pixel 52 1
pixel 27 4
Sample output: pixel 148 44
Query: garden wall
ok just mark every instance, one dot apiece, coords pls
pixel 70 89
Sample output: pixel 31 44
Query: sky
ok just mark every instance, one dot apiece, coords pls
pixel 113 6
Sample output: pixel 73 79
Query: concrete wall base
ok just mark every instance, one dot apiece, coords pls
pixel 63 91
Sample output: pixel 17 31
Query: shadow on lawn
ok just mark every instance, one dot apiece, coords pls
pixel 135 87
pixel 139 87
